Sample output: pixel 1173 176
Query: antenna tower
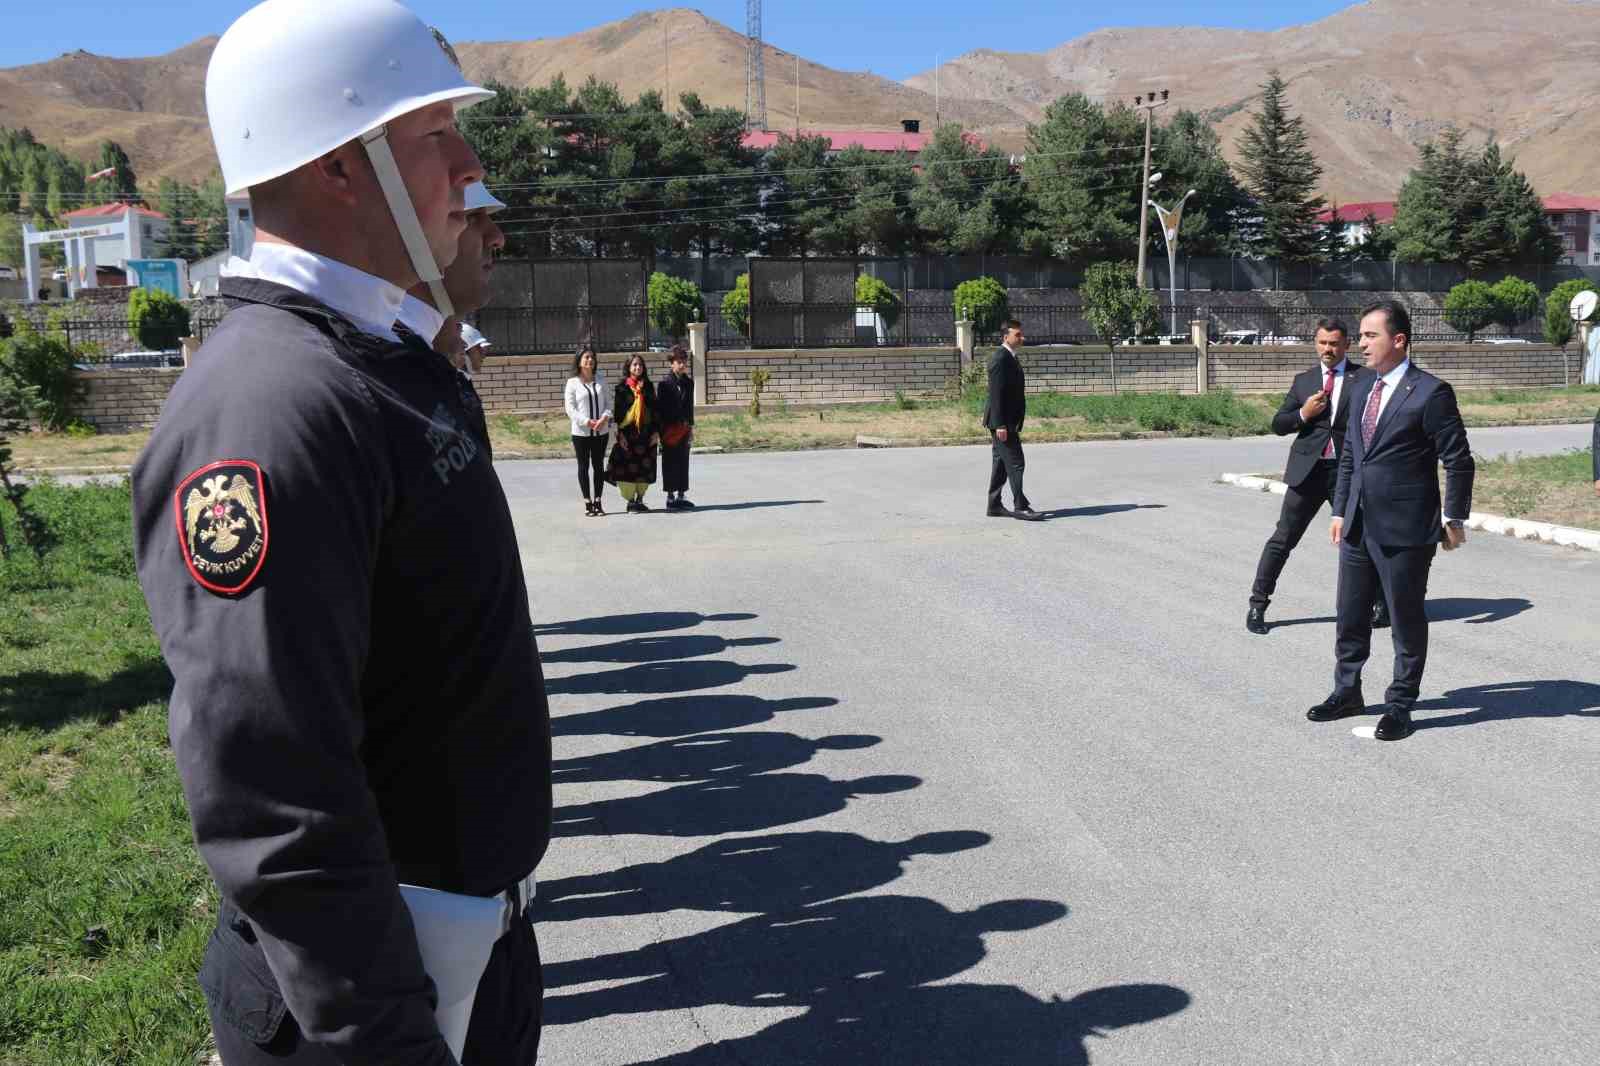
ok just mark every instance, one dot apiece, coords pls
pixel 755 70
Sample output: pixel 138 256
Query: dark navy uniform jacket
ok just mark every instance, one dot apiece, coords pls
pixel 332 571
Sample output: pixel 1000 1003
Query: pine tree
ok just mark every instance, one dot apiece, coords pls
pixel 121 185
pixel 1281 173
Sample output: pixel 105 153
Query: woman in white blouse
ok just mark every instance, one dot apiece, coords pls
pixel 588 403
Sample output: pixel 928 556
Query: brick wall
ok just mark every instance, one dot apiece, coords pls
pixel 120 400
pixel 129 399
pixel 1087 368
pixel 828 375
pixel 1270 368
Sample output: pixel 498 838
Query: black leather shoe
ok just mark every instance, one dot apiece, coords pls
pixel 1395 724
pixel 998 512
pixel 1256 621
pixel 684 503
pixel 1380 615
pixel 1027 514
pixel 1338 705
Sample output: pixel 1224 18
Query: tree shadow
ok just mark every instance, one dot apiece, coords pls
pixel 640 622
pixel 39 699
pixel 712 808
pixel 703 757
pixel 701 508
pixel 654 649
pixel 1512 699
pixel 1100 509
pixel 748 874
pixel 668 677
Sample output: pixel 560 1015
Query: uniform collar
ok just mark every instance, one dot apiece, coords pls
pixel 369 302
pixel 421 318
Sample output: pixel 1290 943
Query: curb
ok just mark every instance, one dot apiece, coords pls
pixel 1521 528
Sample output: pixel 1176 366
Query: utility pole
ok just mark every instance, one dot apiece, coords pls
pixel 797 96
pixel 937 62
pixel 1148 105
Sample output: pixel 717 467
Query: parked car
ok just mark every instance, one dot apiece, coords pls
pixel 1281 338
pixel 172 357
pixel 59 275
pixel 8 273
pixel 1504 340
pixel 1240 336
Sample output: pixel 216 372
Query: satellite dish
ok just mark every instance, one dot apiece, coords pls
pixel 1583 305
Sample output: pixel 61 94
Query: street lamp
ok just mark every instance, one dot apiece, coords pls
pixel 1140 103
pixel 1170 221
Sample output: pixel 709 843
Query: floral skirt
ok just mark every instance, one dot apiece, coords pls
pixel 633 458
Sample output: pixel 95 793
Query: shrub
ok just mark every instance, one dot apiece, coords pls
pixel 1516 301
pixel 39 367
pixel 736 306
pixel 674 303
pixel 875 293
pixel 1558 325
pixel 983 300
pixel 158 320
pixel 758 384
pixel 1470 306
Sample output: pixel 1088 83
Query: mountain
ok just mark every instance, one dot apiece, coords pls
pixel 1373 82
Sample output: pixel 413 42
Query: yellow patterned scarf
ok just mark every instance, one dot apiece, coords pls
pixel 635 417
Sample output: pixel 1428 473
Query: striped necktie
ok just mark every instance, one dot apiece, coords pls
pixel 1369 417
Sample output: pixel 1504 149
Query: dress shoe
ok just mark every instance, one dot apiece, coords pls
pixel 1395 724
pixel 1380 615
pixel 685 503
pixel 1027 514
pixel 636 507
pixel 1338 705
pixel 599 509
pixel 1256 621
pixel 998 512
pixel 672 503
pixel 588 508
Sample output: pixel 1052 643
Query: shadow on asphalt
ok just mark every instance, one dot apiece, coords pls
pixel 701 508
pixel 1445 609
pixel 1098 509
pixel 1511 699
pixel 642 622
pixel 860 969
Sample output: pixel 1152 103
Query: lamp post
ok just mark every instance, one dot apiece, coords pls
pixel 1149 108
pixel 1170 221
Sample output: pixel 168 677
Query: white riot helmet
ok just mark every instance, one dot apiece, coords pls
pixel 292 80
pixel 479 198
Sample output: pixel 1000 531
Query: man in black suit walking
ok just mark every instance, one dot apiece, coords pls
pixel 1003 417
pixel 1315 410
pixel 1403 424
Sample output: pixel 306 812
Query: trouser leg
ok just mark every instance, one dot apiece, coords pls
pixel 1357 590
pixel 508 1010
pixel 1404 575
pixel 675 468
pixel 1300 507
pixel 1007 466
pixel 597 461
pixel 580 448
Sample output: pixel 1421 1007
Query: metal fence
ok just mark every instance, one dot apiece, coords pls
pixel 1275 325
pixel 564 330
pixel 110 343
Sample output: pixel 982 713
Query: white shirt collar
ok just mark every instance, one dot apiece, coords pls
pixel 421 318
pixel 369 302
pixel 1339 368
pixel 1008 348
pixel 1392 378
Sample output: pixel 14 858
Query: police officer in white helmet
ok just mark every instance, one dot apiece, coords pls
pixel 358 713
pixel 466 290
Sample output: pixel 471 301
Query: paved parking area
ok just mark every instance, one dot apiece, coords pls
pixel 849 773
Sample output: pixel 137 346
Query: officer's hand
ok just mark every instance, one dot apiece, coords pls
pixel 1000 434
pixel 1454 537
pixel 1314 406
pixel 1336 532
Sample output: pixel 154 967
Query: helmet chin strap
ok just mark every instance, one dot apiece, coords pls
pixel 405 217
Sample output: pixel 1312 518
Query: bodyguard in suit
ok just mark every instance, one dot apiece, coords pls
pixel 1007 409
pixel 1403 424
pixel 1315 410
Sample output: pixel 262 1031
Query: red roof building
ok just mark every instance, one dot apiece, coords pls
pixel 103 211
pixel 886 142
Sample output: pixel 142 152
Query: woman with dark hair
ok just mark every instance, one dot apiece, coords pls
pixel 632 467
pixel 589 407
pixel 675 408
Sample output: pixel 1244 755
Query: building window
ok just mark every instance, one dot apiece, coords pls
pixel 147 232
pixel 244 214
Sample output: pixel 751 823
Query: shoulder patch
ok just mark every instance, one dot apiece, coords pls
pixel 221 513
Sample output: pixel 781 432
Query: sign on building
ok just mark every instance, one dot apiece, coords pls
pixel 163 275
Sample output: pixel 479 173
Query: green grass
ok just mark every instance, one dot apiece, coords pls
pixel 1215 412
pixel 104 905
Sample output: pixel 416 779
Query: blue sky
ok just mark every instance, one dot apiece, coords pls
pixel 895 40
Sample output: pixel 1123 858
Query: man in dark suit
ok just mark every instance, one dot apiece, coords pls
pixel 1594 449
pixel 1003 417
pixel 1403 424
pixel 1315 410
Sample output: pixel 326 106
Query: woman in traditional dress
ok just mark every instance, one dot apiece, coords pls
pixel 632 467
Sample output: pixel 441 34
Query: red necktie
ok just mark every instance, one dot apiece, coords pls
pixel 1327 390
pixel 1369 417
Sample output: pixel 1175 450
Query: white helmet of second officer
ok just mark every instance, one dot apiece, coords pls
pixel 293 80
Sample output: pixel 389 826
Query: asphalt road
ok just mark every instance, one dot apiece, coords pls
pixel 849 773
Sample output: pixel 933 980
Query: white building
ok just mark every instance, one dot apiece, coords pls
pixel 241 225
pixel 144 238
